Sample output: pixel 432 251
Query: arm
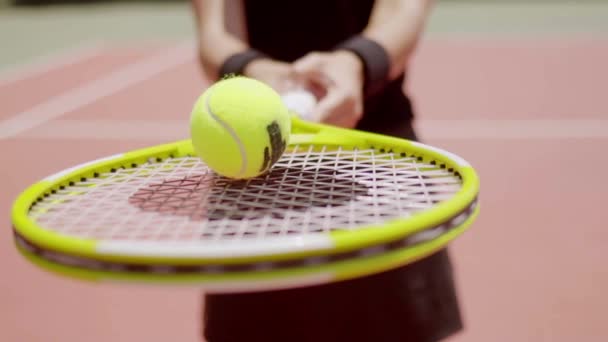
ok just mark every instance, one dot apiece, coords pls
pixel 216 44
pixel 397 25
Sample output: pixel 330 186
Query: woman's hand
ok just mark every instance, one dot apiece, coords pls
pixel 272 72
pixel 340 75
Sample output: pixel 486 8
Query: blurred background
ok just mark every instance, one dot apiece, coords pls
pixel 518 88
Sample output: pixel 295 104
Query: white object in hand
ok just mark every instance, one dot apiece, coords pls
pixel 302 102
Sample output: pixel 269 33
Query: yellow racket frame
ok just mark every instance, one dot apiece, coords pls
pixel 260 280
pixel 303 133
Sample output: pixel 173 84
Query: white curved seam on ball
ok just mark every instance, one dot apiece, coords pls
pixel 232 133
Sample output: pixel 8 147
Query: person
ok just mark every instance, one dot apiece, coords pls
pixel 354 54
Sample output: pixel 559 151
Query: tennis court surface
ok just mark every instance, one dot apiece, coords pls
pixel 519 90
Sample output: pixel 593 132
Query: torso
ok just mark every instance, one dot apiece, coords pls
pixel 287 30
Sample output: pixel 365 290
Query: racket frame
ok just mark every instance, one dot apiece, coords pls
pixel 302 133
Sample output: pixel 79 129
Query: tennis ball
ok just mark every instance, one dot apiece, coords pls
pixel 301 102
pixel 240 127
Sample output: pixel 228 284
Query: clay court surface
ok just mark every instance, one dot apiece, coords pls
pixel 518 90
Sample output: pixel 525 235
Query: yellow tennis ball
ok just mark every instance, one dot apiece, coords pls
pixel 240 127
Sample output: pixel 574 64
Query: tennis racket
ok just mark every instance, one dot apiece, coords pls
pixel 339 204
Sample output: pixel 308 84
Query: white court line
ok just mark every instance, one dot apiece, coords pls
pixel 46 63
pixel 513 129
pixel 466 129
pixel 158 130
pixel 112 83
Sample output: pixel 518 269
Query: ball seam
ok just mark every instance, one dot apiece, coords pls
pixel 232 133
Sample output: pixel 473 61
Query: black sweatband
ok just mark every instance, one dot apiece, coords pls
pixel 375 59
pixel 235 64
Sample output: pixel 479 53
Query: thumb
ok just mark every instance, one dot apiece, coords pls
pixel 309 63
pixel 311 69
pixel 328 104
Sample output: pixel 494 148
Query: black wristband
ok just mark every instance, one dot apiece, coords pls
pixel 235 64
pixel 375 59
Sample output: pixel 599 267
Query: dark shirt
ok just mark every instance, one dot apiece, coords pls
pixel 288 30
pixel 414 302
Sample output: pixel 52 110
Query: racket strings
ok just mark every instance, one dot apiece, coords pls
pixel 309 190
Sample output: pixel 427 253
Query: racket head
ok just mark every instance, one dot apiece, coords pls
pixel 456 211
pixel 258 279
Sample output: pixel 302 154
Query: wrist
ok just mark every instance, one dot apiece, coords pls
pixel 237 63
pixel 353 62
pixel 375 60
pixel 257 67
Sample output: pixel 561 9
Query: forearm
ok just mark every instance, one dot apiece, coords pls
pixel 215 48
pixel 397 26
pixel 215 43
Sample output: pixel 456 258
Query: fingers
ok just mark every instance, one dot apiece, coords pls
pixel 339 108
pixel 312 62
pixel 340 102
pixel 328 105
pixel 268 71
pixel 311 68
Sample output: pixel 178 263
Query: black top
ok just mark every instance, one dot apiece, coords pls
pixel 287 30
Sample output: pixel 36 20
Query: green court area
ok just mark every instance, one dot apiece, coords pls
pixel 28 32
